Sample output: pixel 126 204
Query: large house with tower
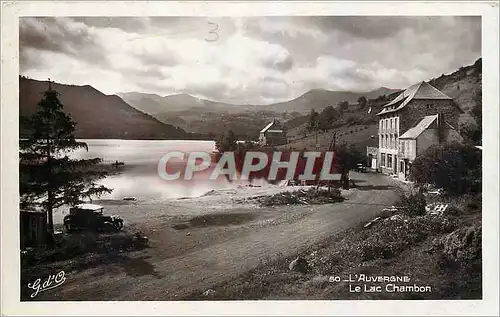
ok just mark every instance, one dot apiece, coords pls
pixel 417 118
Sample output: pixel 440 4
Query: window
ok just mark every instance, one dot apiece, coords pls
pixel 401 167
pixel 382 159
pixel 389 160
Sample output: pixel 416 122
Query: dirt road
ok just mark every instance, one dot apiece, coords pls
pixel 193 269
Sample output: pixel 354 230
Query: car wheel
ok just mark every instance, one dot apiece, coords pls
pixel 109 227
pixel 119 225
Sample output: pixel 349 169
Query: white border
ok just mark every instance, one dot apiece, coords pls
pixel 10 300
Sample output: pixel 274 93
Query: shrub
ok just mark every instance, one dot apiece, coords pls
pixel 454 167
pixel 351 120
pixel 411 203
pixel 311 196
pixel 392 237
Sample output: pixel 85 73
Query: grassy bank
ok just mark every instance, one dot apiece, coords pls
pixel 439 251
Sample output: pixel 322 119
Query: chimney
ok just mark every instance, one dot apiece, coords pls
pixel 441 127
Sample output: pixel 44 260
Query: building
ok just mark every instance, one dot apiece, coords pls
pixel 273 134
pixel 372 156
pixel 429 131
pixel 417 118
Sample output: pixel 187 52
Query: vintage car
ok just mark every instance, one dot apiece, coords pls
pixel 360 168
pixel 90 217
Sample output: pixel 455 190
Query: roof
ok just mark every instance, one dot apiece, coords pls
pixel 414 132
pixel 422 90
pixel 267 127
pixel 88 206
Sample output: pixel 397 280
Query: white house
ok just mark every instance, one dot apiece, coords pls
pixel 429 131
pixel 420 108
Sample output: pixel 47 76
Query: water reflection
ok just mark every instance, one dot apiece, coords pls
pixel 138 177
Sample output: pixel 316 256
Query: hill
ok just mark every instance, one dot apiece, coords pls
pixel 464 86
pixel 358 127
pixel 319 98
pixel 97 115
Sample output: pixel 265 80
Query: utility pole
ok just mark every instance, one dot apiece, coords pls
pixel 331 147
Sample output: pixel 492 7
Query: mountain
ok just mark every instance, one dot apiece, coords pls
pixel 183 104
pixel 154 104
pixel 320 98
pixel 147 103
pixel 97 115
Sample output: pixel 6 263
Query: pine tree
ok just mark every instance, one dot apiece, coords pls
pixel 48 177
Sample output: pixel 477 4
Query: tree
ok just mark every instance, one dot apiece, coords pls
pixel 343 105
pixel 348 158
pixel 328 116
pixel 227 142
pixel 313 120
pixel 48 177
pixel 362 102
pixel 452 166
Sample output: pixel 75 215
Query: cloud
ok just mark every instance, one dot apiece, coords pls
pixel 60 35
pixel 127 24
pixel 246 60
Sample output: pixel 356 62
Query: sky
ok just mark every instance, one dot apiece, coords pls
pixel 245 60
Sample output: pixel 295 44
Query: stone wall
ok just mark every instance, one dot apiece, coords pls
pixel 416 109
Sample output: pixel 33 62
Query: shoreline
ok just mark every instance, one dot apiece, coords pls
pixel 212 248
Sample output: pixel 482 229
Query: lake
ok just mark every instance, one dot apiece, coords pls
pixel 139 177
